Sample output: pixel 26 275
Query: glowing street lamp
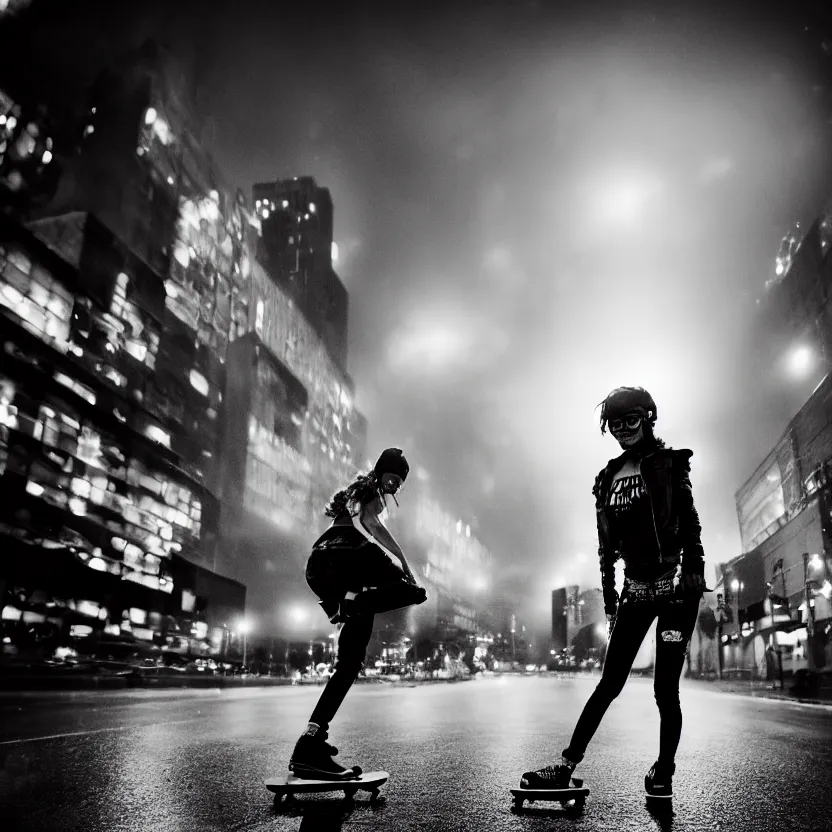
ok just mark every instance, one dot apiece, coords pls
pixel 801 361
pixel 244 627
pixel 297 615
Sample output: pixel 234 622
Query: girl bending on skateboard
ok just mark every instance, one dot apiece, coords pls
pixel 351 570
pixel 645 512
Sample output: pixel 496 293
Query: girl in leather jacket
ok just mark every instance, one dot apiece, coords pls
pixel 646 516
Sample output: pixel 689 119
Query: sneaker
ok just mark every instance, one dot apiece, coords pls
pixel 658 782
pixel 548 777
pixel 312 759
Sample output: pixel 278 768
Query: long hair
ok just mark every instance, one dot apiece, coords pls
pixel 360 491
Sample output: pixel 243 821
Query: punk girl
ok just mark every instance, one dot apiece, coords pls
pixel 352 571
pixel 645 512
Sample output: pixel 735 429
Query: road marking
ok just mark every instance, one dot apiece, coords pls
pixel 94 731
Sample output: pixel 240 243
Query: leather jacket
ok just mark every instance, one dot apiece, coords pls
pixel 666 475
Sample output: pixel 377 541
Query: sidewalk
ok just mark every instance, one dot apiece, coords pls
pixel 767 690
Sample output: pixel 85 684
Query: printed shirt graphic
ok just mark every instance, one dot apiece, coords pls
pixel 632 518
pixel 627 488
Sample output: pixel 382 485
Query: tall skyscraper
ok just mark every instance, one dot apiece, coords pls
pixel 297 244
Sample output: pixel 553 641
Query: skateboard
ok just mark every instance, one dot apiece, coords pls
pixel 290 785
pixel 577 792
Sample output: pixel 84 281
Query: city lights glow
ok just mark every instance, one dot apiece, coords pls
pixel 621 197
pixel 298 615
pixel 801 361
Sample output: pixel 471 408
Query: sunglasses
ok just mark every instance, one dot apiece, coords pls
pixel 631 421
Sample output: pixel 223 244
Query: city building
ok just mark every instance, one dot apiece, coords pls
pixel 192 377
pixel 103 526
pixel 131 283
pixel 297 247
pixel 579 623
pixel 771 608
pixel 454 566
pixel 777 591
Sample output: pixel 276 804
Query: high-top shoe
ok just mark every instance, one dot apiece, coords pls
pixel 312 759
pixel 658 782
pixel 548 777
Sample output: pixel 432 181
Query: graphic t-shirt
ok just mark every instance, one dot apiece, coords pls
pixel 632 519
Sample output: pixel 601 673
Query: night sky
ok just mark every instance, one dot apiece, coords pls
pixel 535 203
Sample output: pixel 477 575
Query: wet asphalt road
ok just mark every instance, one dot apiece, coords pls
pixel 196 760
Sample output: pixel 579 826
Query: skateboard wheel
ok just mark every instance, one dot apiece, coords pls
pixel 374 794
pixel 349 794
pixel 518 802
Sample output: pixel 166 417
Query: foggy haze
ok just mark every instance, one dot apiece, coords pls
pixel 533 206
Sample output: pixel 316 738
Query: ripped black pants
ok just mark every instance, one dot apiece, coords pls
pixel 676 619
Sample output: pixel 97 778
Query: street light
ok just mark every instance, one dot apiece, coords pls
pixel 244 627
pixel 801 361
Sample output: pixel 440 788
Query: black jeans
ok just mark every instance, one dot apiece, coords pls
pixel 677 618
pixel 332 572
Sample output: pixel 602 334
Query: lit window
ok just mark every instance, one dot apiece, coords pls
pixel 157 435
pixel 162 131
pixel 138 616
pixel 90 608
pixel 199 382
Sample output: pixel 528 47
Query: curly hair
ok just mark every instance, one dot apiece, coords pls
pixel 360 491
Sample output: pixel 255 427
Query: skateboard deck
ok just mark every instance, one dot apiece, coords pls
pixel 577 792
pixel 289 785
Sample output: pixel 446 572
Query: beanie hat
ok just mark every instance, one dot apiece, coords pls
pixel 391 461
